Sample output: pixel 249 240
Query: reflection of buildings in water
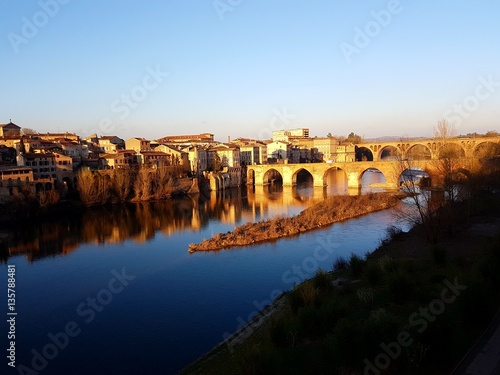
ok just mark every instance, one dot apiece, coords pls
pixel 39 247
pixel 226 205
pixel 278 201
pixel 140 222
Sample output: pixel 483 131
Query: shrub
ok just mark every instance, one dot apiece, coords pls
pixel 322 281
pixel 348 342
pixel 365 295
pixel 333 310
pixel 304 295
pixel 400 286
pixel 295 300
pixel 340 264
pixel 356 265
pixel 283 332
pixel 310 322
pixel 256 361
pixel 393 233
pixel 309 294
pixel 373 274
pixel 388 264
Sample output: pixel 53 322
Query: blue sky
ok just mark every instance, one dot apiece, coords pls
pixel 244 67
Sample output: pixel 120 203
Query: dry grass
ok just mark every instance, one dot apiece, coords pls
pixel 329 211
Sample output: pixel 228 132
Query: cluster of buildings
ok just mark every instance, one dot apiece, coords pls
pixel 50 160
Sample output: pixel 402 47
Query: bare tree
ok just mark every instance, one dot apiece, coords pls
pixel 444 130
pixel 422 207
pixel 26 131
pixel 87 187
pixel 93 187
pixel 122 183
pixel 143 184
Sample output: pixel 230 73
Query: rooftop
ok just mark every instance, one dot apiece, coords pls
pixel 10 124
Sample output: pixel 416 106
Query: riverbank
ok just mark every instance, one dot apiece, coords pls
pixel 408 308
pixel 329 211
pixel 26 206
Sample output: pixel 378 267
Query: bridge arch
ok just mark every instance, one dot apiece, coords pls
pixel 336 177
pixel 418 151
pixel 366 177
pixel 416 174
pixel 389 153
pixel 302 174
pixel 363 154
pixel 272 176
pixel 451 151
pixel 486 149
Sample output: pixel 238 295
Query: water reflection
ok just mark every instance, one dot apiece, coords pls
pixel 141 222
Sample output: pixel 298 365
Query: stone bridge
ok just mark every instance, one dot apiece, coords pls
pixel 387 159
pixel 432 148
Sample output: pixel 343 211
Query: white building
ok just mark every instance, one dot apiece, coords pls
pixel 286 135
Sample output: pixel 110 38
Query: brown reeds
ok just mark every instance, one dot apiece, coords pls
pixel 329 211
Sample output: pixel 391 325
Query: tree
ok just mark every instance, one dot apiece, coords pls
pixel 122 183
pixel 444 130
pixel 22 146
pixel 423 209
pixel 26 131
pixel 93 187
pixel 448 156
pixel 354 138
pixel 216 163
pixel 329 135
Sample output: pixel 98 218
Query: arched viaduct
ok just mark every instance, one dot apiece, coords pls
pixel 432 148
pixel 462 150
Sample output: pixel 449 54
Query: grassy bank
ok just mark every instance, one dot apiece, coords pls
pixel 407 308
pixel 331 210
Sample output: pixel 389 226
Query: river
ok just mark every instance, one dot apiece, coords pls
pixel 115 291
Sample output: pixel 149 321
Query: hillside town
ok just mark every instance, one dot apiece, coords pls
pixel 51 161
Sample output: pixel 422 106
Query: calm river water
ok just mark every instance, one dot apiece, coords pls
pixel 115 291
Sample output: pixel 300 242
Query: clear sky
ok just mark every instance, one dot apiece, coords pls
pixel 244 67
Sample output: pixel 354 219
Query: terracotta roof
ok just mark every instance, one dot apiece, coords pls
pixel 14 167
pixel 111 156
pixel 32 155
pixel 159 153
pixel 11 124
